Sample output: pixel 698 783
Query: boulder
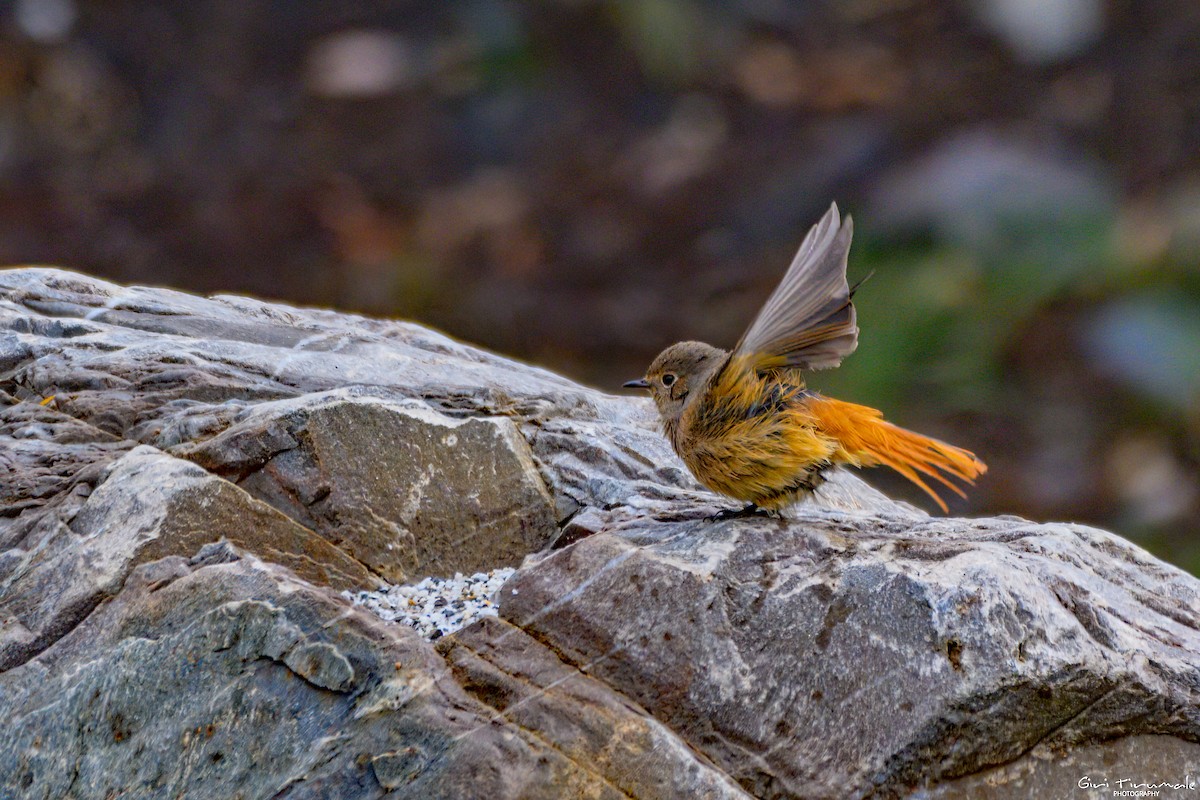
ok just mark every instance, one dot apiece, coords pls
pixel 226 676
pixel 405 489
pixel 68 558
pixel 192 484
pixel 853 655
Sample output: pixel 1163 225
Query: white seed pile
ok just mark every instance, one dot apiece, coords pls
pixel 437 606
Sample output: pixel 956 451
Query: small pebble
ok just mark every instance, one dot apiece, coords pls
pixel 437 606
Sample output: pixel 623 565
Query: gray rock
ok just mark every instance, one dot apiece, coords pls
pixel 64 560
pixel 191 483
pixel 471 495
pixel 178 686
pixel 589 723
pixel 849 654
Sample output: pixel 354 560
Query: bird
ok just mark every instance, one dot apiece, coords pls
pixel 747 426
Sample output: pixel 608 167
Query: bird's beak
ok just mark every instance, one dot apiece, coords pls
pixel 640 383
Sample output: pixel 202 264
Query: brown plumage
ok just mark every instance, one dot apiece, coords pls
pixel 745 424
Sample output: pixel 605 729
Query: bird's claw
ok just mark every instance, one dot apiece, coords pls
pixel 750 510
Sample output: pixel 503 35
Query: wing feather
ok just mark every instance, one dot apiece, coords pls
pixel 809 321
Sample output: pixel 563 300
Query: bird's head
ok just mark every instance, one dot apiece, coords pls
pixel 676 373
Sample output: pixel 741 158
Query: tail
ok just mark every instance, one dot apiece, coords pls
pixel 865 440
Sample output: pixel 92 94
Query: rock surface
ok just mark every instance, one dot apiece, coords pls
pixel 191 483
pixel 404 489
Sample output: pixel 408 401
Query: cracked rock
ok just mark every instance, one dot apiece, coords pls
pixel 67 557
pixel 406 490
pixel 857 655
pixel 192 487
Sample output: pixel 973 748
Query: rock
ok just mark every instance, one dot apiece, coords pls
pixel 192 483
pixel 143 506
pixel 589 723
pixel 472 496
pixel 178 684
pixel 850 654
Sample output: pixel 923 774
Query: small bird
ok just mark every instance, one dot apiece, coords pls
pixel 743 420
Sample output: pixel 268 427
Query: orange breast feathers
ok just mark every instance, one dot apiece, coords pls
pixel 752 438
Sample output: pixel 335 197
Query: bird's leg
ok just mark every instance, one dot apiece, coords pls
pixel 751 510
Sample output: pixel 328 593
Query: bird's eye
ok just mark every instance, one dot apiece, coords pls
pixel 668 379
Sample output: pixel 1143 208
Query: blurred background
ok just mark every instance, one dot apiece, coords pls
pixel 581 183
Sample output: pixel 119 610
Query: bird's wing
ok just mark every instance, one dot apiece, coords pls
pixel 808 322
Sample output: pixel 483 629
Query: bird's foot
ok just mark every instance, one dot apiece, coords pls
pixel 751 510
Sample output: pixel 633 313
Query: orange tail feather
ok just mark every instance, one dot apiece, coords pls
pixel 866 440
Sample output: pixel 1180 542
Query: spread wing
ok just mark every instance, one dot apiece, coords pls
pixel 808 322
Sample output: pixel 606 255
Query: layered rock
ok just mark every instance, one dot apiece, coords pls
pixel 191 483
